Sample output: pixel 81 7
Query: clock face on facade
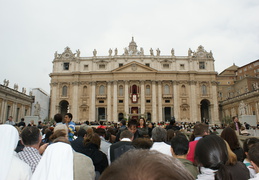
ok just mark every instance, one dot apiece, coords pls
pixel 201 54
pixel 66 55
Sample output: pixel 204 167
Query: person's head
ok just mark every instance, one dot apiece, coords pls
pixel 58 118
pixel 123 122
pixel 253 154
pixel 170 134
pixel 172 122
pixel 145 164
pixel 32 121
pixel 30 136
pixel 179 145
pixel 132 125
pixel 230 136
pixel 58 133
pixel 200 129
pixel 22 119
pixel 142 143
pixel 81 133
pixel 126 134
pixel 10 118
pixel 101 123
pixel 88 129
pixel 68 117
pixel 92 138
pixel 235 119
pixel 248 143
pixel 100 132
pixel 211 152
pixel 159 134
pixel 142 122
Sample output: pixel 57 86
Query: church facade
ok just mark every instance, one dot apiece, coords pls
pixel 134 84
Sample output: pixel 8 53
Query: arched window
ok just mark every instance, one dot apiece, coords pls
pixel 204 89
pixel 64 91
pixel 120 90
pixel 101 89
pixel 148 89
pixel 166 89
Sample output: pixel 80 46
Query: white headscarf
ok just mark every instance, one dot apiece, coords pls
pixel 9 138
pixel 56 163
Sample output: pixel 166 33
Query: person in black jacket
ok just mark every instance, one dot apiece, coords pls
pixel 119 148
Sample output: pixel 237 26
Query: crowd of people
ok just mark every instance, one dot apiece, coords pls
pixel 133 150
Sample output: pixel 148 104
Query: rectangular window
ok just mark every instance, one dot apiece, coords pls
pixel 66 66
pixel 101 66
pixel 167 101
pixel 181 66
pixel 147 64
pixel 101 101
pixel 147 101
pixel 120 64
pixel 86 67
pixel 120 101
pixel 202 65
pixel 166 66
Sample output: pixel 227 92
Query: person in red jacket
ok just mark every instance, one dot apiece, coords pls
pixel 199 131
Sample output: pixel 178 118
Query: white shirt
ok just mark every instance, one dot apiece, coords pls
pixel 256 177
pixel 162 147
pixel 206 174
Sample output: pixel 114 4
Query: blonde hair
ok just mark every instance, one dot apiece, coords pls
pixel 232 158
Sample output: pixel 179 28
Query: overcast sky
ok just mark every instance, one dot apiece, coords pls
pixel 32 30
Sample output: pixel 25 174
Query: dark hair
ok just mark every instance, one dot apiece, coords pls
pixel 126 134
pixel 58 118
pixel 123 122
pixel 249 142
pixel 253 153
pixel 145 164
pixel 233 118
pixel 22 119
pixel 144 124
pixel 170 134
pixel 172 121
pixel 69 115
pixel 81 133
pixel 211 152
pixel 132 122
pixel 159 134
pixel 229 135
pixel 200 129
pixel 30 135
pixel 180 145
pixel 100 132
pixel 92 138
pixel 142 143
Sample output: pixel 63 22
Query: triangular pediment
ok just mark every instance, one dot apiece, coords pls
pixel 134 67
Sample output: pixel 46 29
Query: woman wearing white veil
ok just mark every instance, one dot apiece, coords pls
pixel 11 167
pixel 56 163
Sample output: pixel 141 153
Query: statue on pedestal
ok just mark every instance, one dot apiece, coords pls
pixel 158 52
pixel 94 52
pixel 110 52
pixel 37 109
pixel 151 52
pixel 172 51
pixel 116 52
pixel 6 83
pixel 78 53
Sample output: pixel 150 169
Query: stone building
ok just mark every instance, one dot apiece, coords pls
pixel 133 84
pixel 238 91
pixel 14 103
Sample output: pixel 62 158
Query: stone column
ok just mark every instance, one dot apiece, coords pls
pixel 75 108
pixel 92 105
pixel 53 100
pixel 115 99
pixel 3 111
pixel 154 109
pixel 193 102
pixel 159 99
pixel 142 97
pixel 109 102
pixel 215 117
pixel 176 103
pixel 126 98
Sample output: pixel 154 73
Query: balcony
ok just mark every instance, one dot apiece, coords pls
pixel 167 96
pixel 101 96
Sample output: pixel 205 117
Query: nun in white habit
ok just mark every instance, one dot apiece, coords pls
pixel 56 163
pixel 11 167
